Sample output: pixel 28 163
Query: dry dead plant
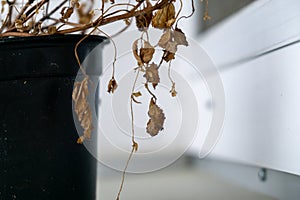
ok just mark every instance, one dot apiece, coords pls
pixel 25 18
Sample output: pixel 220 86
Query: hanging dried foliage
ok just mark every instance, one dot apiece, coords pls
pixel 82 108
pixel 39 17
pixel 157 118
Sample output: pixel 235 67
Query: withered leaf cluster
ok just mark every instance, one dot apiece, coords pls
pixel 47 17
pixel 82 108
pixel 143 52
pixel 85 14
pixel 67 11
pixel 171 39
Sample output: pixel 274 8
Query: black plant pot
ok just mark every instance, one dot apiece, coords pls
pixel 39 156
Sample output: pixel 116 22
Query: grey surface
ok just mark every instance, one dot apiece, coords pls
pixel 218 11
pixel 278 184
pixel 182 180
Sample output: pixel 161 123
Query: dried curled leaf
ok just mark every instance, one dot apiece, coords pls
pixel 135 146
pixel 157 118
pixel 20 25
pixel 167 56
pixel 165 38
pixel 171 46
pixel 165 17
pixel 75 3
pixel 135 53
pixel 80 140
pixel 206 17
pixel 52 30
pixel 143 20
pixel 170 40
pixel 173 90
pixel 151 74
pixel 180 38
pixel 146 53
pixel 82 108
pixel 84 16
pixel 112 85
pixel 66 12
pixel 3 3
pixel 136 94
pixel 127 21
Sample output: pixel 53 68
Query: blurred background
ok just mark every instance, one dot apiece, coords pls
pixel 255 48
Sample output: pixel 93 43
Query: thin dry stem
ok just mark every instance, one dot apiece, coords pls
pixel 206 15
pixel 131 108
pixel 124 173
pixel 115 52
pixel 151 93
pixel 134 143
pixel 133 12
pixel 48 15
pixel 169 72
pixel 188 16
pixel 76 52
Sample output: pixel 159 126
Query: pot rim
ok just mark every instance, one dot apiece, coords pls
pixel 38 40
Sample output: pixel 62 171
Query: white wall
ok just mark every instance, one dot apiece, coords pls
pixel 260 67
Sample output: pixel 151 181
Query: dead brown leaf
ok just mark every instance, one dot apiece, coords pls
pixel 112 85
pixel 135 53
pixel 66 12
pixel 75 3
pixel 146 53
pixel 173 90
pixel 143 20
pixel 136 94
pixel 151 74
pixel 171 47
pixel 168 56
pixel 85 16
pixel 157 118
pixel 135 146
pixel 2 6
pixel 165 38
pixel 180 37
pixel 165 17
pixel 82 108
pixel 52 30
